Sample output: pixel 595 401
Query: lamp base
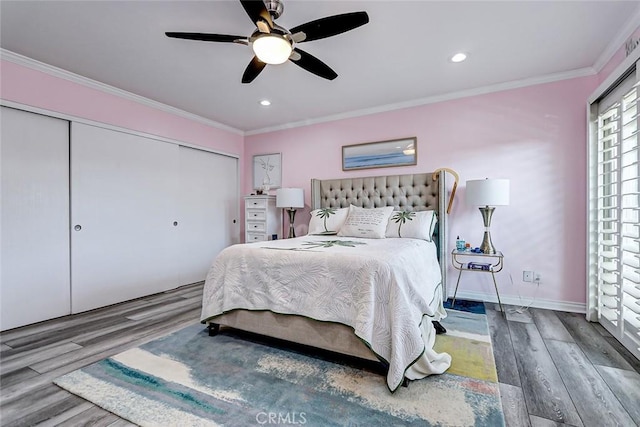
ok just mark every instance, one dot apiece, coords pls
pixel 292 215
pixel 487 245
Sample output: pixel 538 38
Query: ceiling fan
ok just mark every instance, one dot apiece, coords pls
pixel 273 44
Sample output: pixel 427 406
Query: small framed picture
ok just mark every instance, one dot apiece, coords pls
pixel 267 171
pixel 383 154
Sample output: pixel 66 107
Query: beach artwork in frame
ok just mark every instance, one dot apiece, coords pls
pixel 383 154
pixel 267 171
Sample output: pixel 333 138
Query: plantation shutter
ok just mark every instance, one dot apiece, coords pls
pixel 615 224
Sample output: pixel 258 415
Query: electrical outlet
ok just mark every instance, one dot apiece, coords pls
pixel 527 276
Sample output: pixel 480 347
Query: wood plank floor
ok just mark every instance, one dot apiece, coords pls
pixel 554 368
pixel 557 369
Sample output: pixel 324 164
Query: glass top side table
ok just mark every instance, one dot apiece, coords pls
pixel 480 262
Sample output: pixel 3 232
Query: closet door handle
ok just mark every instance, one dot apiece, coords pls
pixel 78 227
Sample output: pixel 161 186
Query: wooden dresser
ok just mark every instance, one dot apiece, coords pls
pixel 261 218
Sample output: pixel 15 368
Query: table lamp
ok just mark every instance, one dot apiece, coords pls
pixel 487 193
pixel 290 199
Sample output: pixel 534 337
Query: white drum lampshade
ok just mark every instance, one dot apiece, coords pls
pixel 488 192
pixel 290 198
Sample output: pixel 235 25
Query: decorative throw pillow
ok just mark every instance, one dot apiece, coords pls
pixel 363 222
pixel 416 225
pixel 327 221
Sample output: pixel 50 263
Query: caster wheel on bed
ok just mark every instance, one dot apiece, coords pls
pixel 439 328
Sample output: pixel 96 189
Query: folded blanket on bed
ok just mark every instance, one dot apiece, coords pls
pixel 387 290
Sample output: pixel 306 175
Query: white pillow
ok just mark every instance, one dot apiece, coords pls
pixel 416 225
pixel 363 222
pixel 327 221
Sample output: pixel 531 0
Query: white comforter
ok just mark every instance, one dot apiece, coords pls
pixel 387 290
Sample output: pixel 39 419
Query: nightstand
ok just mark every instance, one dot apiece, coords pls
pixel 490 263
pixel 261 218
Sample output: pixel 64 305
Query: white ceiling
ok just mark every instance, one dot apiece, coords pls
pixel 399 58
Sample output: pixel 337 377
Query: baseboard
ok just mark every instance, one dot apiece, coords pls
pixel 572 307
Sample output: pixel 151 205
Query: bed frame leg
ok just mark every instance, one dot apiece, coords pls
pixel 439 328
pixel 405 382
pixel 214 328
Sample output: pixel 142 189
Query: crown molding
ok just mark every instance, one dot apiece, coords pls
pixel 618 42
pixel 76 119
pixel 516 84
pixel 51 70
pixel 67 75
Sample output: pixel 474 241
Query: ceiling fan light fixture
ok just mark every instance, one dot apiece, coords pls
pixel 273 44
pixel 272 48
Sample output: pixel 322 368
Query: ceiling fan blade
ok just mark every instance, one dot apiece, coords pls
pixel 253 69
pixel 312 64
pixel 259 14
pixel 329 26
pixel 224 38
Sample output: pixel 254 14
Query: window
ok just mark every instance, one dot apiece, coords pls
pixel 614 235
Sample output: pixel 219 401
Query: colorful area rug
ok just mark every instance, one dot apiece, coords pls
pixel 190 379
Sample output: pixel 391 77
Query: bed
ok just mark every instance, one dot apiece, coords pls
pixel 370 298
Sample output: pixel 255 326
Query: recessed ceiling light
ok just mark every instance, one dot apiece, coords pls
pixel 458 57
pixel 265 102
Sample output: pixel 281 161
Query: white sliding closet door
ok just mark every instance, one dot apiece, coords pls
pixel 208 207
pixel 122 216
pixel 34 230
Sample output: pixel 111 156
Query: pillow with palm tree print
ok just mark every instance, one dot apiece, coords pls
pixel 415 225
pixel 327 221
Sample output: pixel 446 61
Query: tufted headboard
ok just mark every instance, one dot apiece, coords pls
pixel 412 192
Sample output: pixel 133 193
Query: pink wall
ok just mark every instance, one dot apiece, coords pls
pixel 535 136
pixel 30 87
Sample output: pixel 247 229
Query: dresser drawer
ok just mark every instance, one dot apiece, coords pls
pixel 256 215
pixel 257 226
pixel 255 203
pixel 256 237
